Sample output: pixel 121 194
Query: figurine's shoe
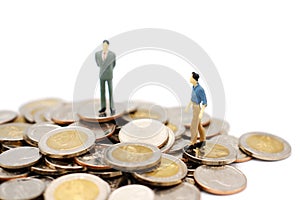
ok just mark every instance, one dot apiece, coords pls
pixel 190 149
pixel 201 144
pixel 102 114
pixel 102 110
pixel 112 111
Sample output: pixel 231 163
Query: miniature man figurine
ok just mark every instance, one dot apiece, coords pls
pixel 106 60
pixel 198 98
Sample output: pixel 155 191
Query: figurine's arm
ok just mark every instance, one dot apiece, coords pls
pixel 97 59
pixel 202 111
pixel 114 61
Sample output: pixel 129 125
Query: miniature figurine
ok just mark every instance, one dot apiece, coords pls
pixel 106 61
pixel 199 103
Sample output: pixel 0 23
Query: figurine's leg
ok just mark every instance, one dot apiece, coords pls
pixel 111 98
pixel 102 94
pixel 194 124
pixel 202 132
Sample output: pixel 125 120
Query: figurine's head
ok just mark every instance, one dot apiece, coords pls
pixel 194 78
pixel 105 45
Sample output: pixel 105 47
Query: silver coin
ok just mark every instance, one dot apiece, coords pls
pixel 170 142
pixel 64 114
pixel 217 127
pixel 90 112
pixel 13 131
pixel 234 142
pixel 101 131
pixel 20 157
pixel 33 134
pixel 179 145
pixel 39 116
pixel 46 179
pixel 182 191
pixel 94 159
pixel 153 132
pixel 14 144
pixel 7 116
pixel 178 130
pixel 12 174
pixel 177 154
pixel 67 142
pixel 107 174
pixel 213 154
pixel 77 186
pixel 147 110
pixel 63 164
pixel 170 172
pixel 42 169
pixel 132 192
pixel 264 146
pixel 220 180
pixel 30 108
pixel 132 157
pixel 22 188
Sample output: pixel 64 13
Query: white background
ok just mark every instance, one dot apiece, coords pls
pixel 254 45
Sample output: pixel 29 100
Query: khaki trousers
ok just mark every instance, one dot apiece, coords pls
pixel 196 125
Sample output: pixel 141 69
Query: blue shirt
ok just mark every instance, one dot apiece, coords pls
pixel 198 95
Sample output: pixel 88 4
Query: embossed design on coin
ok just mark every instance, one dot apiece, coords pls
pixel 13 131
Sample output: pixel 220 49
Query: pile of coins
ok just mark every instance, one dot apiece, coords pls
pixel 54 149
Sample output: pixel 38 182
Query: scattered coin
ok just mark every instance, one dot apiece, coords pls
pixel 64 115
pixel 7 116
pixel 264 146
pixel 170 172
pixel 145 131
pixel 46 179
pixel 42 169
pixel 108 174
pixel 77 186
pixel 133 157
pixel 179 145
pixel 90 112
pixel 33 134
pixel 21 188
pixel 213 154
pixel 234 142
pixel 67 142
pixel 63 164
pixel 20 157
pixel 220 180
pixel 101 130
pixel 94 159
pixel 170 142
pixel 182 191
pixel 6 174
pixel 133 192
pixel 12 131
pixel 177 130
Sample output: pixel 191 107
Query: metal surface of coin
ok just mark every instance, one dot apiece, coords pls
pixel 77 186
pixel 11 145
pixel 264 146
pixel 20 157
pixel 216 127
pixel 7 116
pixel 39 116
pixel 21 188
pixel 234 142
pixel 132 192
pixel 133 157
pixel 170 142
pixel 147 110
pixel 13 131
pixel 63 164
pixel 94 159
pixel 29 109
pixel 177 130
pixel 182 191
pixel 179 145
pixel 90 112
pixel 12 174
pixel 146 131
pixel 213 154
pixel 106 173
pixel 67 142
pixel 42 169
pixel 101 131
pixel 33 134
pixel 170 172
pixel 64 114
pixel 46 179
pixel 220 180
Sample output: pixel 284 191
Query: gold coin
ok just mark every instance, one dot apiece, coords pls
pixel 12 131
pixel 132 153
